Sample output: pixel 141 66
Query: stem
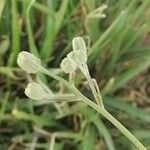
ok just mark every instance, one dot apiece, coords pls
pixel 96 95
pixel 52 143
pixel 116 123
pixel 99 109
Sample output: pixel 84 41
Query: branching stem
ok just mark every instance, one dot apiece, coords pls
pixel 99 109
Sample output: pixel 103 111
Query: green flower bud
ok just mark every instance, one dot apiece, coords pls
pixel 78 60
pixel 98 12
pixel 28 62
pixel 78 44
pixel 68 65
pixel 76 57
pixel 35 91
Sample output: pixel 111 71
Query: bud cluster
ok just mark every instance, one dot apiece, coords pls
pixel 76 58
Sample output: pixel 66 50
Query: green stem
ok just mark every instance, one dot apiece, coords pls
pixel 96 95
pixel 99 109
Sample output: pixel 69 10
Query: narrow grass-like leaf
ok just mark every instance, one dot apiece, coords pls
pixel 110 32
pixel 49 34
pixel 38 6
pixel 98 123
pixel 2 4
pixel 4 45
pixel 39 120
pixel 135 36
pixel 3 106
pixel 32 46
pixel 88 142
pixel 15 29
pixel 60 14
pixel 105 133
pixel 130 73
pixel 134 112
pixel 136 54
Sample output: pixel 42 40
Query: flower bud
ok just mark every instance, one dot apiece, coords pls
pixel 78 60
pixel 98 12
pixel 68 65
pixel 35 91
pixel 78 44
pixel 28 62
pixel 76 57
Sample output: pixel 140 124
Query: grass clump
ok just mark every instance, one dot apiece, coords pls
pixel 113 55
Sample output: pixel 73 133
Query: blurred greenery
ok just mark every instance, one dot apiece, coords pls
pixel 118 57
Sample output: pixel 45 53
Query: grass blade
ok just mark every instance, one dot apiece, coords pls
pixel 110 32
pixel 134 112
pixel 15 34
pixel 49 36
pixel 130 73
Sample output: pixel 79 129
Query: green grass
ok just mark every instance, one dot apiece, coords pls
pixel 118 53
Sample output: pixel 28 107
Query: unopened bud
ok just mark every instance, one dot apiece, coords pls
pixel 77 58
pixel 28 62
pixel 78 44
pixel 35 91
pixel 98 12
pixel 68 65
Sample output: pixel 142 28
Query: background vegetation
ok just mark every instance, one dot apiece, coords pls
pixel 119 59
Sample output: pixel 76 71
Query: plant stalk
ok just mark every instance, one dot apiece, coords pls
pixel 99 109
